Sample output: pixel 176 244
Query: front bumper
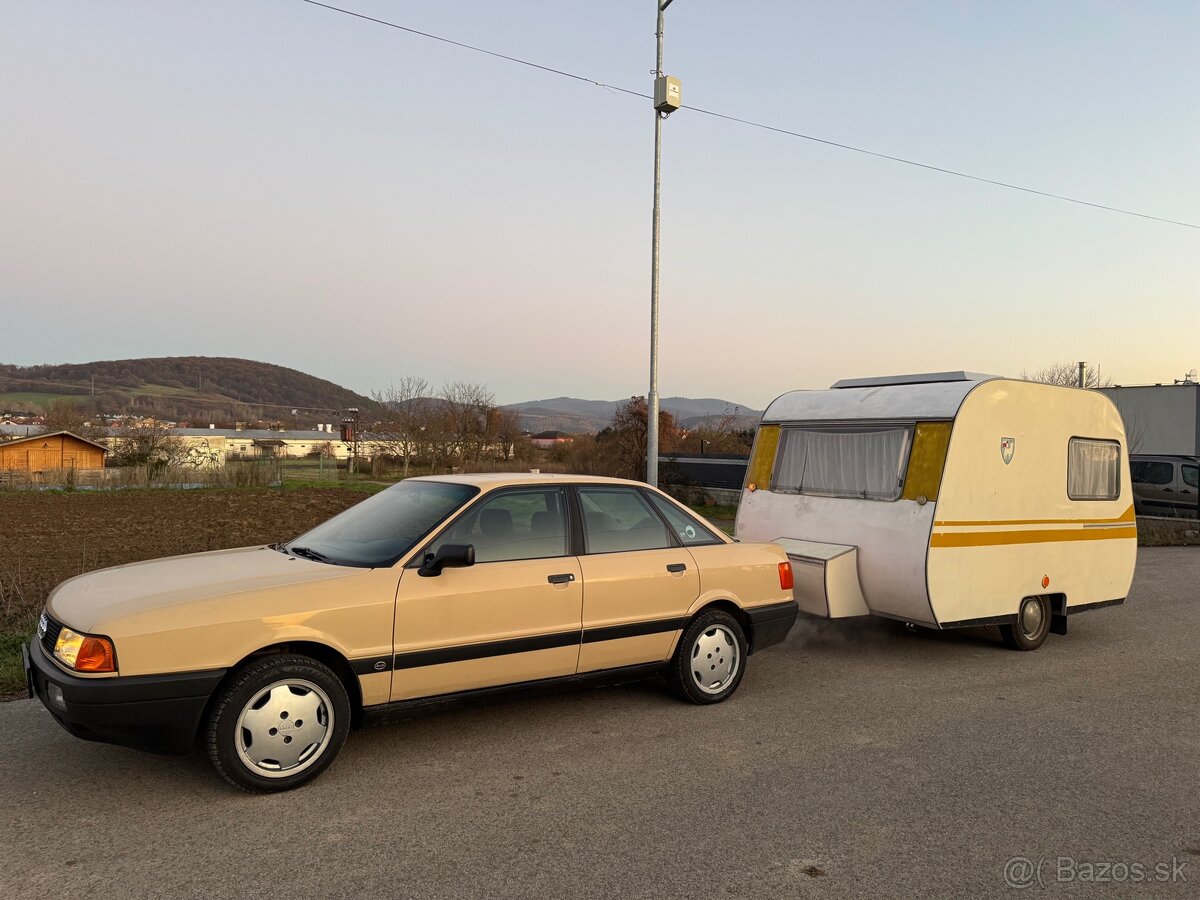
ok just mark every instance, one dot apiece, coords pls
pixel 158 713
pixel 771 624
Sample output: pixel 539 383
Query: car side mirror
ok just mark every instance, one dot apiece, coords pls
pixel 448 556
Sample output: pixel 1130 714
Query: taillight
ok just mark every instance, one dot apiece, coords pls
pixel 785 576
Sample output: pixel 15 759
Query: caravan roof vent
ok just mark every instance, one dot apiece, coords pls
pixel 924 378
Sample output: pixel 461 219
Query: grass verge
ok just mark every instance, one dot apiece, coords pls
pixel 12 672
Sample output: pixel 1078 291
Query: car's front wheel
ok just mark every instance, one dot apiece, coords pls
pixel 710 659
pixel 278 723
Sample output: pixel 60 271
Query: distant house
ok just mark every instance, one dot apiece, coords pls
pixel 261 442
pixel 50 452
pixel 548 440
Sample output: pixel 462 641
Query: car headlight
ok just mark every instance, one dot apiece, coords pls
pixel 85 652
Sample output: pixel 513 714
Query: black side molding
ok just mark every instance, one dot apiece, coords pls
pixel 1088 607
pixel 1058 620
pixel 390 712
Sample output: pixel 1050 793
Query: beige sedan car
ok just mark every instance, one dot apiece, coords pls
pixel 432 590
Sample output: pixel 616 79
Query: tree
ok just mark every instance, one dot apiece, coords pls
pixel 465 411
pixel 146 442
pixel 624 440
pixel 1067 375
pixel 404 429
pixel 717 435
pixel 505 427
pixel 66 415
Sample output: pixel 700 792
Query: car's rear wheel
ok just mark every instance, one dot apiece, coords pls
pixel 1031 627
pixel 710 659
pixel 278 723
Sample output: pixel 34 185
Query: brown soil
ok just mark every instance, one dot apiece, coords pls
pixel 46 538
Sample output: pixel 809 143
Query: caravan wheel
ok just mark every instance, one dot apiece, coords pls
pixel 1031 627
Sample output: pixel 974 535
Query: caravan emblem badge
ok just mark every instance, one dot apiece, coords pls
pixel 1007 446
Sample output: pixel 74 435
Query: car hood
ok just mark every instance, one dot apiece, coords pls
pixel 108 594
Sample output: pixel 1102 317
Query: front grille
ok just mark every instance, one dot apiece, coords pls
pixel 50 635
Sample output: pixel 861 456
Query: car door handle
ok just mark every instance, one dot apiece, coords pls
pixel 677 567
pixel 560 579
pixel 1168 491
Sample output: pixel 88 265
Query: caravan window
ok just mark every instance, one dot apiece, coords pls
pixel 1093 469
pixel 867 463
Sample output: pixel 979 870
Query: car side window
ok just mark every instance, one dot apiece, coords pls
pixel 688 529
pixel 1144 472
pixel 512 525
pixel 617 519
pixel 1191 476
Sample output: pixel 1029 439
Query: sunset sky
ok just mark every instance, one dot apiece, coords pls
pixel 277 181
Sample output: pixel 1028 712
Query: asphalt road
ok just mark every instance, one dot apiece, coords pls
pixel 856 760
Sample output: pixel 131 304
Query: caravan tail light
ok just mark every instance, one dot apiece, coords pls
pixel 785 576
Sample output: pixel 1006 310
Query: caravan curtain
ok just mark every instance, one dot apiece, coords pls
pixel 851 462
pixel 1093 470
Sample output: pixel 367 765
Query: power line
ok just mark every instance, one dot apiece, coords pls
pixel 753 124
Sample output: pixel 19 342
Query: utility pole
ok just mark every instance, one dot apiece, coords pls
pixel 1082 374
pixel 666 101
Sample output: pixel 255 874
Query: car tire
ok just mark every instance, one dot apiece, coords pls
pixel 277 723
pixel 710 660
pixel 1032 625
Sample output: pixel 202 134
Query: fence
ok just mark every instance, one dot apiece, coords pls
pixel 259 473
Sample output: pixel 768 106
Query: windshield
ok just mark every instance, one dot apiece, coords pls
pixel 381 529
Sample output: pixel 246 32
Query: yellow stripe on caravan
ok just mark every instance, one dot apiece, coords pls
pixel 1126 516
pixel 1042 536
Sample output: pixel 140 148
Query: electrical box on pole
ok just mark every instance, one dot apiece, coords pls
pixel 667 96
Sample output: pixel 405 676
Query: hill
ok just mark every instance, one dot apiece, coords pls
pixel 195 388
pixel 572 414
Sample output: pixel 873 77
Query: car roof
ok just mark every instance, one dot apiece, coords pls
pixel 490 480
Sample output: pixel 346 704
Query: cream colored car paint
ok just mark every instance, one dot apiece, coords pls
pixel 213 610
pixel 479 604
pixel 228 604
pixel 631 588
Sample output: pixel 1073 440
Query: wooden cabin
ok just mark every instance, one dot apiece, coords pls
pixel 48 452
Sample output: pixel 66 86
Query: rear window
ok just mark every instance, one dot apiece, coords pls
pixel 867 463
pixel 1093 469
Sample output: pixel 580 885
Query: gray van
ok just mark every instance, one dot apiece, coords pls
pixel 1165 485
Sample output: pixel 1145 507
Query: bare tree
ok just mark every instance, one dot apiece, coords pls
pixel 405 427
pixel 716 435
pixel 1067 375
pixel 1135 433
pixel 505 427
pixel 66 415
pixel 466 407
pixel 146 442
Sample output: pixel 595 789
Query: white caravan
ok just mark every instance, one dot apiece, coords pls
pixel 947 500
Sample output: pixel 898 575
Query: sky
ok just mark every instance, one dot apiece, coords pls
pixel 280 182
